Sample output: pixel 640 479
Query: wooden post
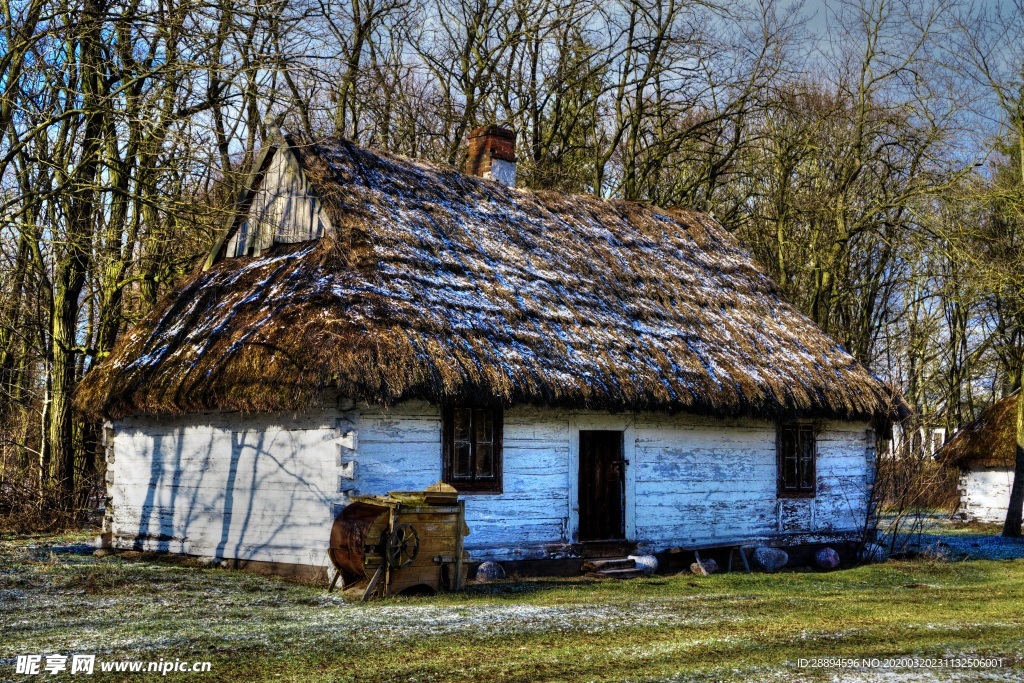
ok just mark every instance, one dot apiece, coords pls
pixel 392 521
pixel 373 582
pixel 459 542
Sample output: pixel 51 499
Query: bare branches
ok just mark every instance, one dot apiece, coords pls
pixel 847 163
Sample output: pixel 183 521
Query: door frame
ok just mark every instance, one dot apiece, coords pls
pixel 615 423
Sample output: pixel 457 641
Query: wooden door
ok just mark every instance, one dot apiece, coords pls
pixel 602 486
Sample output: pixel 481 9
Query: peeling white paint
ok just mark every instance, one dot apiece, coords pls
pixel 265 487
pixel 985 493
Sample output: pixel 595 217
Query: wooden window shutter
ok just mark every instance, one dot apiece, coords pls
pixel 471 448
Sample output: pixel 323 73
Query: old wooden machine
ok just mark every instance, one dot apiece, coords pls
pixel 406 541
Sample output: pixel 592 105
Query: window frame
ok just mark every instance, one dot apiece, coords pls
pixel 485 485
pixel 803 429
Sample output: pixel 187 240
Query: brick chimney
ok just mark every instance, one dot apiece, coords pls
pixel 492 154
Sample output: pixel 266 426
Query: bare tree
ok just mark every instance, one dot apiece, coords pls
pixel 988 52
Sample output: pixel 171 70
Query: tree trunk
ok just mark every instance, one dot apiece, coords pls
pixel 72 268
pixel 1011 527
pixel 1015 509
pixel 11 349
pixel 60 428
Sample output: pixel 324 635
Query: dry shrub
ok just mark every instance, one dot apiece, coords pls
pixel 910 490
pixel 908 481
pixel 24 508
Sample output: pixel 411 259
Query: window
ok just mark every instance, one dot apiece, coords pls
pixel 472 449
pixel 796 450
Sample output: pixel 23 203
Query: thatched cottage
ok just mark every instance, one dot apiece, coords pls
pixel 580 369
pixel 985 451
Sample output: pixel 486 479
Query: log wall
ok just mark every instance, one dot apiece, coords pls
pixel 266 487
pixel 985 494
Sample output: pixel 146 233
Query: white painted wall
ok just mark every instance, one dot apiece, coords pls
pixel 264 487
pixel 985 493
pixel 223 485
pixel 700 480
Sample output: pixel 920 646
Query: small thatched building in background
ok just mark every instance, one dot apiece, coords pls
pixel 985 451
pixel 581 369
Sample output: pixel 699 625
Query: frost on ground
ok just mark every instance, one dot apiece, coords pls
pixel 95 601
pixel 974 546
pixel 735 627
pixel 942 538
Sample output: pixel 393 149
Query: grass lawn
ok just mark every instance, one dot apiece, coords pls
pixel 724 627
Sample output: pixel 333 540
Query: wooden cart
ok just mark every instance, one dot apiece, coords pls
pixel 403 542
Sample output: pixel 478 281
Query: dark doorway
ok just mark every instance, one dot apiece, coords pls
pixel 602 486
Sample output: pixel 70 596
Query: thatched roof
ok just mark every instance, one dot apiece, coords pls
pixel 989 441
pixel 440 286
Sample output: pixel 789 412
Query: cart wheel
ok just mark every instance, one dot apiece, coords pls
pixel 403 544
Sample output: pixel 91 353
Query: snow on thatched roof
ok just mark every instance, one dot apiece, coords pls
pixel 989 441
pixel 446 287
